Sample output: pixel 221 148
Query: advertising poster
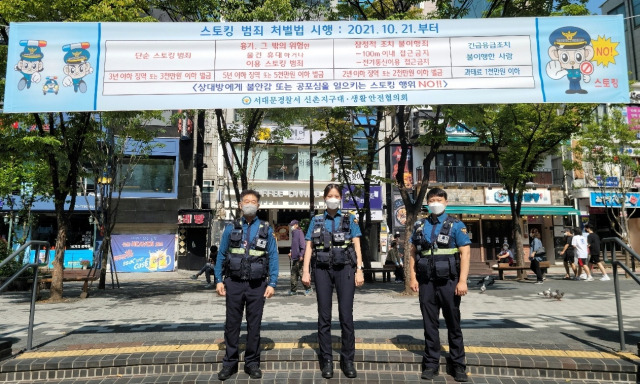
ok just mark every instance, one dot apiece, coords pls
pixel 154 66
pixel 143 253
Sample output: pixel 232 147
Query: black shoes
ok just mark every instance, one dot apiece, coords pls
pixel 348 369
pixel 253 371
pixel 327 369
pixel 429 373
pixel 458 373
pixel 227 371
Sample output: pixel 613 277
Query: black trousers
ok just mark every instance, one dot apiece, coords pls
pixel 535 267
pixel 241 295
pixel 343 278
pixel 433 297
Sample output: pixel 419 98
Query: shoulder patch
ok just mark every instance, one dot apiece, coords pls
pixel 463 230
pixel 355 220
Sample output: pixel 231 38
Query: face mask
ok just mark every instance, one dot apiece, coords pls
pixel 505 248
pixel 436 208
pixel 249 209
pixel 332 203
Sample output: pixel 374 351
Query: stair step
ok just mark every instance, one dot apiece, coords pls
pixel 375 362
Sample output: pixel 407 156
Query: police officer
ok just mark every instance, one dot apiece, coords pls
pixel 439 266
pixel 248 259
pixel 333 250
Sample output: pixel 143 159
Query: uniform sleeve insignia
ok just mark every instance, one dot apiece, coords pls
pixel 463 230
pixel 355 220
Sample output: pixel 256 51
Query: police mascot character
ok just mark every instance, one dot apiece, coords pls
pixel 333 251
pixel 246 274
pixel 571 52
pixel 439 266
pixel 30 64
pixel 76 66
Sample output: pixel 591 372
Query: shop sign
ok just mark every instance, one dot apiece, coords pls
pixel 375 198
pixel 614 200
pixel 536 196
pixel 143 253
pixel 196 218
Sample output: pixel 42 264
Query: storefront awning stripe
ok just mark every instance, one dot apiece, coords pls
pixel 556 210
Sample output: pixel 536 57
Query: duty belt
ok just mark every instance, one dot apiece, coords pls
pixel 440 251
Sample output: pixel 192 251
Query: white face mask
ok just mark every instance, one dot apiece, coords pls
pixel 249 209
pixel 332 203
pixel 436 208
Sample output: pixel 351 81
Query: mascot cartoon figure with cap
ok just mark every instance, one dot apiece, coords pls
pixel 76 66
pixel 571 53
pixel 30 64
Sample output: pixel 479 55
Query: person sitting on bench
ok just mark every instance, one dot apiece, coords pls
pixel 505 256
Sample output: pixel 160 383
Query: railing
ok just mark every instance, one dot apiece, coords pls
pixel 35 264
pixel 615 263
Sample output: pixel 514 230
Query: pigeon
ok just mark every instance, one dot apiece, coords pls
pixel 545 293
pixel 557 295
pixel 487 280
pixel 483 288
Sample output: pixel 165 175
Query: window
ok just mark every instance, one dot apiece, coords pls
pixel 619 10
pixel 151 175
pixel 465 167
pixel 286 163
pixel 635 13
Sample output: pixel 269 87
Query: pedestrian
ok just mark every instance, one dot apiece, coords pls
pixel 568 253
pixel 393 258
pixel 505 256
pixel 208 268
pixel 593 241
pixel 248 260
pixel 296 255
pixel 439 266
pixel 333 251
pixel 536 255
pixel 579 242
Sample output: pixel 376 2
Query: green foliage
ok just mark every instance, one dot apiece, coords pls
pixel 615 156
pixel 11 267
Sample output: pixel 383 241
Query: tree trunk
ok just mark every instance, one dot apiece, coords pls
pixel 58 263
pixel 105 249
pixel 519 245
pixel 412 216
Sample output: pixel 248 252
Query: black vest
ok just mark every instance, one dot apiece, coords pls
pixel 247 263
pixel 332 249
pixel 440 260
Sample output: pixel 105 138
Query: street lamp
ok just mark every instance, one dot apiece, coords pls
pixel 10 219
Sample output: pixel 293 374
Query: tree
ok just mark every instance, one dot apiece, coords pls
pixel 62 145
pixel 520 137
pixel 113 153
pixel 610 165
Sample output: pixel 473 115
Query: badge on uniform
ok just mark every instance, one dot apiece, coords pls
pixel 463 230
pixel 261 243
pixel 443 239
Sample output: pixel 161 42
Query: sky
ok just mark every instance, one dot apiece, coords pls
pixel 594 6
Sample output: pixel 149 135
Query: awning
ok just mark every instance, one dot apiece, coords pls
pixel 461 139
pixel 527 210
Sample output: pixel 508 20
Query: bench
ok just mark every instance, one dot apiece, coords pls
pixel 505 267
pixel 85 275
pixel 385 270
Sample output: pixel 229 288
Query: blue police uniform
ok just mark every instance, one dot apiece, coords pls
pixel 241 293
pixel 570 37
pixel 343 278
pixel 440 294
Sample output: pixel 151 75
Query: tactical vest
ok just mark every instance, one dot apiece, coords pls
pixel 436 260
pixel 332 249
pixel 247 264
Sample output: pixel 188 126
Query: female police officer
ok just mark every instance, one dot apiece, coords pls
pixel 333 249
pixel 439 266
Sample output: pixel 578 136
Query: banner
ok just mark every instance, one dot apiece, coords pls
pixel 158 66
pixel 143 253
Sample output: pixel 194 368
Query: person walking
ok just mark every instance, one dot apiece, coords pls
pixel 296 255
pixel 393 258
pixel 579 242
pixel 333 251
pixel 536 255
pixel 248 260
pixel 208 268
pixel 568 253
pixel 593 241
pixel 439 266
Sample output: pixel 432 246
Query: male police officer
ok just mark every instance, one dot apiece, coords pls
pixel 248 254
pixel 439 265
